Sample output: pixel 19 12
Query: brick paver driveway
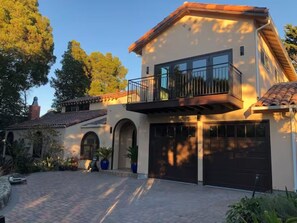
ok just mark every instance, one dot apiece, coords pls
pixel 96 197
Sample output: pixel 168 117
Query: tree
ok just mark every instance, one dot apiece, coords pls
pixel 108 74
pixel 290 42
pixel 26 54
pixel 73 79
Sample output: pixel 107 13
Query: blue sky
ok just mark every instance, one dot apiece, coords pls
pixel 112 25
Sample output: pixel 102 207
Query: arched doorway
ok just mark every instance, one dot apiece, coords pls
pixel 124 135
pixel 9 142
pixel 89 145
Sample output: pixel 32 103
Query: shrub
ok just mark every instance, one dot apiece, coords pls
pixel 21 158
pixel 278 208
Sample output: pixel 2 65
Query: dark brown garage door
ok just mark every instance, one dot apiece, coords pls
pixel 173 152
pixel 234 152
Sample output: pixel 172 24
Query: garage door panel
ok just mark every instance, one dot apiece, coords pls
pixel 234 158
pixel 230 180
pixel 173 152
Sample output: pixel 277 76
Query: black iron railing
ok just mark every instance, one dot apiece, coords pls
pixel 210 80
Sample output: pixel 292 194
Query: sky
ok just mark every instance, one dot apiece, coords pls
pixel 113 25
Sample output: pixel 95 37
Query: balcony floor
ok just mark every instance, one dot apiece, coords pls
pixel 207 104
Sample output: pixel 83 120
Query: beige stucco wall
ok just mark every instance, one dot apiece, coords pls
pixel 75 133
pixel 116 113
pixel 267 77
pixel 22 134
pixel 281 150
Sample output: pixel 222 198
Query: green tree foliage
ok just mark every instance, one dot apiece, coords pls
pixel 73 79
pixel 108 74
pixel 83 74
pixel 26 54
pixel 290 42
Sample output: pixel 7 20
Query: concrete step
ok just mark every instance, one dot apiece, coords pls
pixel 120 173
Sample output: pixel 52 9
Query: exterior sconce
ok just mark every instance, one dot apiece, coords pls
pixel 147 70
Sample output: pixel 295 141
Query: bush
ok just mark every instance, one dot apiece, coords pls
pixel 21 158
pixel 278 208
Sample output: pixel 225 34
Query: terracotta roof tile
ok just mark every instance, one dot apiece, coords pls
pixel 280 94
pixel 95 99
pixel 60 120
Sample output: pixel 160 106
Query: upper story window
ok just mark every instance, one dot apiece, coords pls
pixel 82 107
pixel 265 60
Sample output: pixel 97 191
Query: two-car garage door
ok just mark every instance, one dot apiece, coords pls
pixel 233 153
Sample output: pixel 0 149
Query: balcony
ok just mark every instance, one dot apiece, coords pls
pixel 203 90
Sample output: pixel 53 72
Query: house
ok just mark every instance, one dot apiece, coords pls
pixel 217 95
pixel 215 103
pixel 81 126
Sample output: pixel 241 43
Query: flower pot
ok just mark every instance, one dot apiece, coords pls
pixel 134 167
pixel 104 164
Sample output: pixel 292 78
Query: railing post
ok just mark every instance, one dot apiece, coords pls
pixel 230 82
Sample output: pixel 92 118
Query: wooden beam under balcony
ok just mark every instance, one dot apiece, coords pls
pixel 206 104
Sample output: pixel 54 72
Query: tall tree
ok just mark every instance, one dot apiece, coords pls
pixel 73 79
pixel 290 42
pixel 26 54
pixel 108 74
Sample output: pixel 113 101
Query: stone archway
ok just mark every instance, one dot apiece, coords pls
pixel 124 135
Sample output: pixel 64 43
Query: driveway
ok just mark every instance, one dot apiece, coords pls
pixel 97 197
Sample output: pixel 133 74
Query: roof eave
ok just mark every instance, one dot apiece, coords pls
pixel 189 8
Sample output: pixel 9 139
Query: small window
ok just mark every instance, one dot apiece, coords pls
pixel 170 131
pixel 240 131
pixel 71 108
pixel 192 131
pixel 230 131
pixel 161 131
pixel 213 131
pixel 250 130
pixel 221 130
pixel 265 60
pixel 260 130
pixel 84 107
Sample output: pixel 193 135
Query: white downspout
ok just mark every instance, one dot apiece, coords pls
pixel 257 59
pixel 293 144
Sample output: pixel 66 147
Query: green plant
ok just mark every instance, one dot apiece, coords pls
pixel 21 158
pixel 275 208
pixel 104 152
pixel 132 153
pixel 244 211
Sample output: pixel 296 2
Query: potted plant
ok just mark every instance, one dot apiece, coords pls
pixel 104 153
pixel 132 154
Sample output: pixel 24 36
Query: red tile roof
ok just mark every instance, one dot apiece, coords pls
pixel 60 120
pixel 95 99
pixel 279 94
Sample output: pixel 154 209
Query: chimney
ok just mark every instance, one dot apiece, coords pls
pixel 34 110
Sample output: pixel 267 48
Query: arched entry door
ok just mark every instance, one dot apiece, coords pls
pixel 89 145
pixel 124 136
